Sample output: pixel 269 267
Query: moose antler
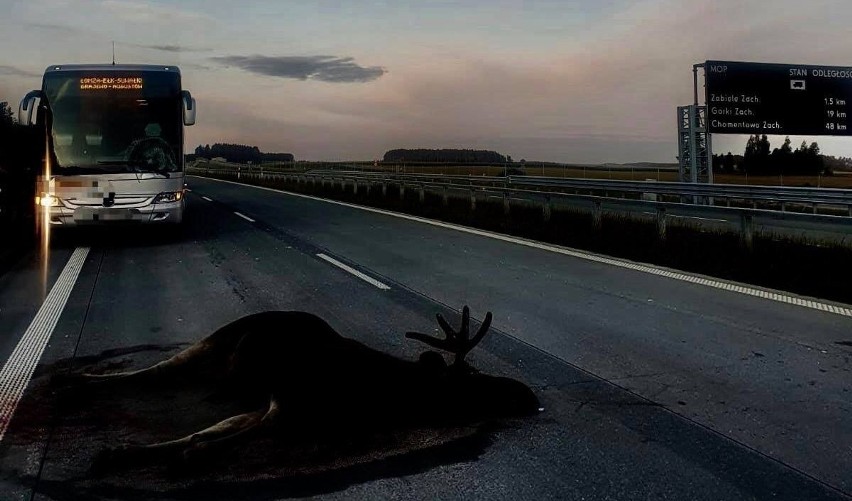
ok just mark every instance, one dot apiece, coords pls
pixel 457 343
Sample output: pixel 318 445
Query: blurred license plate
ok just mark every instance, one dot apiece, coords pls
pixel 89 214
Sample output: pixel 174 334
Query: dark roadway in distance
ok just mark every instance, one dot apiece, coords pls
pixel 652 387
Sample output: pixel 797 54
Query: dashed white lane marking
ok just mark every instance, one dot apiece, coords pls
pixel 244 217
pixel 19 368
pixel 207 198
pixel 370 280
pixel 777 296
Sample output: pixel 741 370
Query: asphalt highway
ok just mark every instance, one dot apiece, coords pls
pixel 654 384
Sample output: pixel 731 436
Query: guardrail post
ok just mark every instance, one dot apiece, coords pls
pixel 505 204
pixel 597 216
pixel 661 223
pixel 472 200
pixel 546 209
pixel 747 230
pixel 850 211
pixel 445 200
pixel 402 191
pixel 384 189
pixel 354 186
pixel 422 194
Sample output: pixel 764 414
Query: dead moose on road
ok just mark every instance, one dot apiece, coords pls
pixel 297 382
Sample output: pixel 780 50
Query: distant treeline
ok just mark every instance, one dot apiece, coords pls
pixel 241 153
pixel 445 155
pixel 759 158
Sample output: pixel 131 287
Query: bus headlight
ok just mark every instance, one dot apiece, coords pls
pixel 169 196
pixel 47 200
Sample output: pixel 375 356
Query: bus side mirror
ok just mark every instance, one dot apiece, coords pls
pixel 27 108
pixel 188 108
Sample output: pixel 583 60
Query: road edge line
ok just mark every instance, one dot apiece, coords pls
pixel 19 368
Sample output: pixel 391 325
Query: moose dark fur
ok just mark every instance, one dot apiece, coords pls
pixel 295 373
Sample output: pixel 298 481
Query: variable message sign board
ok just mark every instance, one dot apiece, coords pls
pixel 762 98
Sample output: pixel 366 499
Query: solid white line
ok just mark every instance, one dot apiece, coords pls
pixel 772 295
pixel 206 198
pixel 369 280
pixel 19 368
pixel 244 217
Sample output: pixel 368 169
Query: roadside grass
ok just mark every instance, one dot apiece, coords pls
pixel 795 264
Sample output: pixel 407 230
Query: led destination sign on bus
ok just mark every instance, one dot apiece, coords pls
pixel 111 83
pixel 761 98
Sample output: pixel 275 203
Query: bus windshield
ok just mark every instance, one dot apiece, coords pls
pixel 114 123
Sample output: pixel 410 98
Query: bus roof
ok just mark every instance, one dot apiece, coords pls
pixel 111 67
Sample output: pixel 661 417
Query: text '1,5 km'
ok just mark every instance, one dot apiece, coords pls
pixel 763 98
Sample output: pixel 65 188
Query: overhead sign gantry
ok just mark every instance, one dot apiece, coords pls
pixel 761 98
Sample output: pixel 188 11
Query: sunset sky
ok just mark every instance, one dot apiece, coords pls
pixel 574 81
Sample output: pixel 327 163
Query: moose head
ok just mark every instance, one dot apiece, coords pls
pixel 467 391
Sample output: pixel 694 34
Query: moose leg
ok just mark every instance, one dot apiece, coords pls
pixel 138 454
pixel 218 345
pixel 227 437
pixel 167 367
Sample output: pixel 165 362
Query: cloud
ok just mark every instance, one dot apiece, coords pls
pixel 18 72
pixel 324 68
pixel 58 28
pixel 168 48
pixel 165 48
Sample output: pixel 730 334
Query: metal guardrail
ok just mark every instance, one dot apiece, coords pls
pixel 744 221
pixel 829 196
pixel 782 195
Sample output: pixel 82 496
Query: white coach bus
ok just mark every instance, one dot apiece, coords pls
pixel 115 143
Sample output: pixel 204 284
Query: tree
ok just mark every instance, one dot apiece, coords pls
pixel 756 156
pixel 782 158
pixel 814 160
pixel 813 149
pixel 728 163
pixel 6 113
pixel 444 155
